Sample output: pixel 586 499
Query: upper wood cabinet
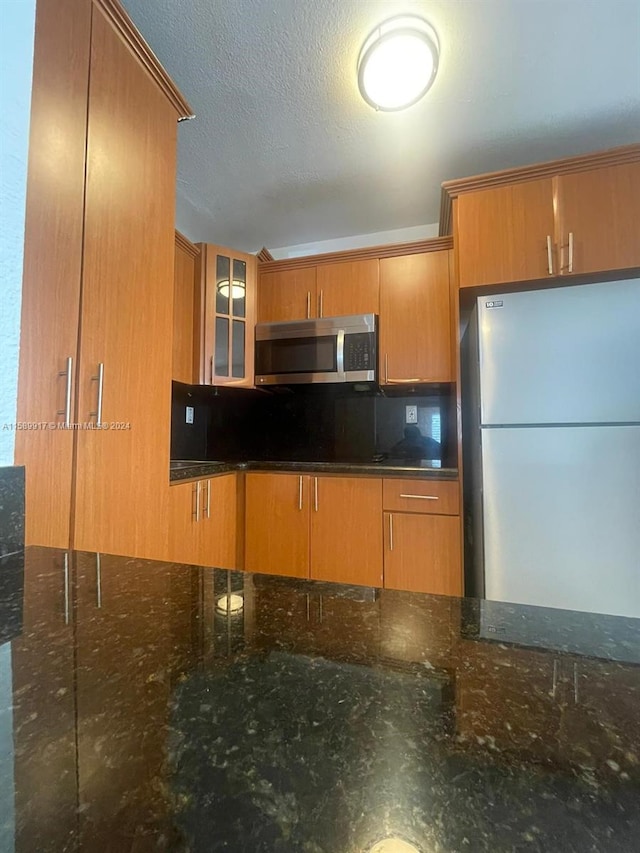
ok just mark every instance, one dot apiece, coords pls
pixel 287 295
pixel 598 219
pixel 570 217
pixel 415 319
pixel 226 306
pixel 95 327
pixel 349 287
pixel 506 234
pixel 184 279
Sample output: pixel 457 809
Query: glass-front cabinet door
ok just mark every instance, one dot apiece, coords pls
pixel 228 316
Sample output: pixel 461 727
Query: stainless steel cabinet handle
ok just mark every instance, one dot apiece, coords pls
pixel 320 301
pixel 549 256
pixel 198 492
pixel 67 397
pixel 390 532
pixel 570 251
pixel 308 304
pixel 100 380
pixel 98 581
pixel 299 492
pixel 66 587
pixel 315 494
pixel 422 497
pixel 386 367
pixel 208 509
pixel 340 351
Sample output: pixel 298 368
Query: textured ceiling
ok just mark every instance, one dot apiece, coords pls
pixel 284 150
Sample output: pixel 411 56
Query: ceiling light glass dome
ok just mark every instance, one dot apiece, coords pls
pixel 398 63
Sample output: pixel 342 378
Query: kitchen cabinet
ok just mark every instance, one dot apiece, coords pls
pixel 415 319
pixel 287 295
pixel 326 528
pixel 277 524
pixel 184 367
pixel 226 307
pixel 506 233
pixel 598 219
pixel 98 339
pixel 570 217
pixel 349 287
pixel 422 547
pixel 203 522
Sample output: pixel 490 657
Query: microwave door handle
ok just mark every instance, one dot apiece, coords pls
pixel 340 352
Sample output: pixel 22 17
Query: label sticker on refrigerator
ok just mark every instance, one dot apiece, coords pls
pixel 494 303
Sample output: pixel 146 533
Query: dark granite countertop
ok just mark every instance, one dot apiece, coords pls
pixel 179 471
pixel 150 706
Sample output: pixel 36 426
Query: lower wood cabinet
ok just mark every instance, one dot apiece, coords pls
pixel 422 537
pixel 203 522
pixel 326 528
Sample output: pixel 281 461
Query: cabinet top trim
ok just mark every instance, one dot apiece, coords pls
pixel 581 163
pixel 186 245
pixel 391 250
pixel 122 23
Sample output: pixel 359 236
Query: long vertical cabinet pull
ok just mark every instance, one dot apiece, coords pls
pixel 299 493
pixel 308 304
pixel 549 255
pixel 320 305
pixel 99 378
pixel 208 509
pixel 315 494
pixel 198 492
pixel 391 531
pixel 570 251
pixel 67 396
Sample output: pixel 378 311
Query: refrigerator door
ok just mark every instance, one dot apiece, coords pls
pixel 568 355
pixel 562 517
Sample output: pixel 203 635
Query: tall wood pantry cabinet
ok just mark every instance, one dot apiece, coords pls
pixel 95 367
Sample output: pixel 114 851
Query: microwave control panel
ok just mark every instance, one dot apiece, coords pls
pixel 359 351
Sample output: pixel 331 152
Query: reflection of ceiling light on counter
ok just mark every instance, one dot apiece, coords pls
pixel 232 604
pixel 398 63
pixel 393 845
pixel 237 289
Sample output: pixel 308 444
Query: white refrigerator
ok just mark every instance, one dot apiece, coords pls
pixel 551 429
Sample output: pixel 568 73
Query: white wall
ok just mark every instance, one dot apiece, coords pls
pixel 358 241
pixel 16 60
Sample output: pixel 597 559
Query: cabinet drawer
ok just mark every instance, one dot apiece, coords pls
pixel 435 497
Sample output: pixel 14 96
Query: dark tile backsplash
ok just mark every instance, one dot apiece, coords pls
pixel 11 510
pixel 311 424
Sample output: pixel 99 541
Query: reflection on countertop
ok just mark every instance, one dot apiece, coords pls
pixel 166 707
pixel 419 468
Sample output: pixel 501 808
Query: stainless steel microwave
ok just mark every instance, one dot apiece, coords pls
pixel 328 349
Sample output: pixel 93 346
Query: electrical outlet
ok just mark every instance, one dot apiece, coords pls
pixel 189 416
pixel 411 416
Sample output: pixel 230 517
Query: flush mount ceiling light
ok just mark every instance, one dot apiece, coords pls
pixel 237 289
pixel 398 63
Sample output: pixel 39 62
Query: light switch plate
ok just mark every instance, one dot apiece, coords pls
pixel 411 416
pixel 189 414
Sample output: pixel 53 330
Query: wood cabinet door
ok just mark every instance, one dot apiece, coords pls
pixel 346 530
pixel 219 521
pixel 277 524
pixel 348 288
pixel 502 234
pixel 422 553
pixel 600 209
pixel 52 265
pixel 126 316
pixel 287 295
pixel 184 534
pixel 227 303
pixel 184 281
pixel 415 319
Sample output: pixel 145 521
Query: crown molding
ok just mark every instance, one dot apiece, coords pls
pixel 391 250
pixel 264 255
pixel 581 163
pixel 186 245
pixel 124 26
